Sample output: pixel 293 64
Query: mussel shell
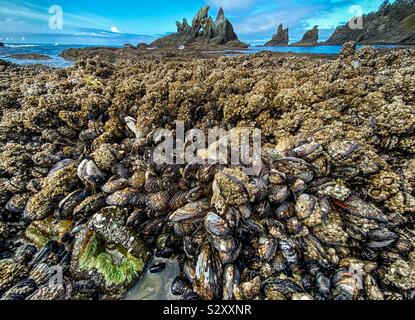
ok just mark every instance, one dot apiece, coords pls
pixel 341 150
pixel 262 209
pixel 68 204
pixel 289 252
pixel 157 267
pixel 90 173
pixel 20 291
pixel 90 206
pixel 267 247
pixel 114 185
pixel 208 274
pixel 231 256
pixel 231 280
pixel 285 211
pixel 216 225
pixel 122 198
pixel 17 203
pixel 323 285
pixel 40 273
pixel 348 284
pixel 294 168
pixel 359 208
pixel 308 151
pixel 305 206
pixel 225 245
pixel 84 290
pixel 59 166
pixel 381 238
pixel 190 211
pixel 48 292
pixel 151 227
pixel 181 285
pixel 284 286
pixel 278 194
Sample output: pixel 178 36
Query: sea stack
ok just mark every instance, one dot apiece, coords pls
pixel 281 38
pixel 203 31
pixel 309 39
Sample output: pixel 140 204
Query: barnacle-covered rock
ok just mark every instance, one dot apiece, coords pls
pixel 231 185
pixel 41 232
pixel 327 213
pixel 401 273
pixel 55 187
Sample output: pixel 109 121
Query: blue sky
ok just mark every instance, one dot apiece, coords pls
pixel 117 22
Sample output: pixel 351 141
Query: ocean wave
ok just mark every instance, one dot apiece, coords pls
pixel 21 45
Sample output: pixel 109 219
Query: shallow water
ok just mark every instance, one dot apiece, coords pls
pixel 156 286
pixel 51 50
pixel 311 50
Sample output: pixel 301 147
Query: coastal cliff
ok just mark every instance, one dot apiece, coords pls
pixel 203 31
pixel 393 23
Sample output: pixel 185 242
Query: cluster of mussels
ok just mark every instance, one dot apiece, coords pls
pixel 329 214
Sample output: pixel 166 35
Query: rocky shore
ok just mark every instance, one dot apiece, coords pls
pixel 30 56
pixel 392 24
pixel 328 215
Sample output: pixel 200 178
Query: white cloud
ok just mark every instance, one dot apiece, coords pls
pixel 230 4
pixel 268 22
pixel 115 30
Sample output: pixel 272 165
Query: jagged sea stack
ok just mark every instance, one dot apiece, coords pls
pixel 309 39
pixel 203 31
pixel 281 38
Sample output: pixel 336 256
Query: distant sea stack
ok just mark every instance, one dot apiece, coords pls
pixel 203 31
pixel 309 39
pixel 392 24
pixel 281 38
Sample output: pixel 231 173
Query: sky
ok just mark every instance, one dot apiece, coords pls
pixel 116 22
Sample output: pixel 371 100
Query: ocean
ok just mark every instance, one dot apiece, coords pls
pixel 53 51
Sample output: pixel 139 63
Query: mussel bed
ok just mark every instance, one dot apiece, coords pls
pixel 328 215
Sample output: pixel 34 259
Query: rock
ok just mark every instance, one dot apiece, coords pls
pixel 237 44
pixel 279 39
pixel 1 44
pixel 183 27
pixel 203 31
pixel 128 46
pixel 310 38
pixel 29 56
pixel 392 24
pixel 142 45
pixel 348 50
pixel 224 30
